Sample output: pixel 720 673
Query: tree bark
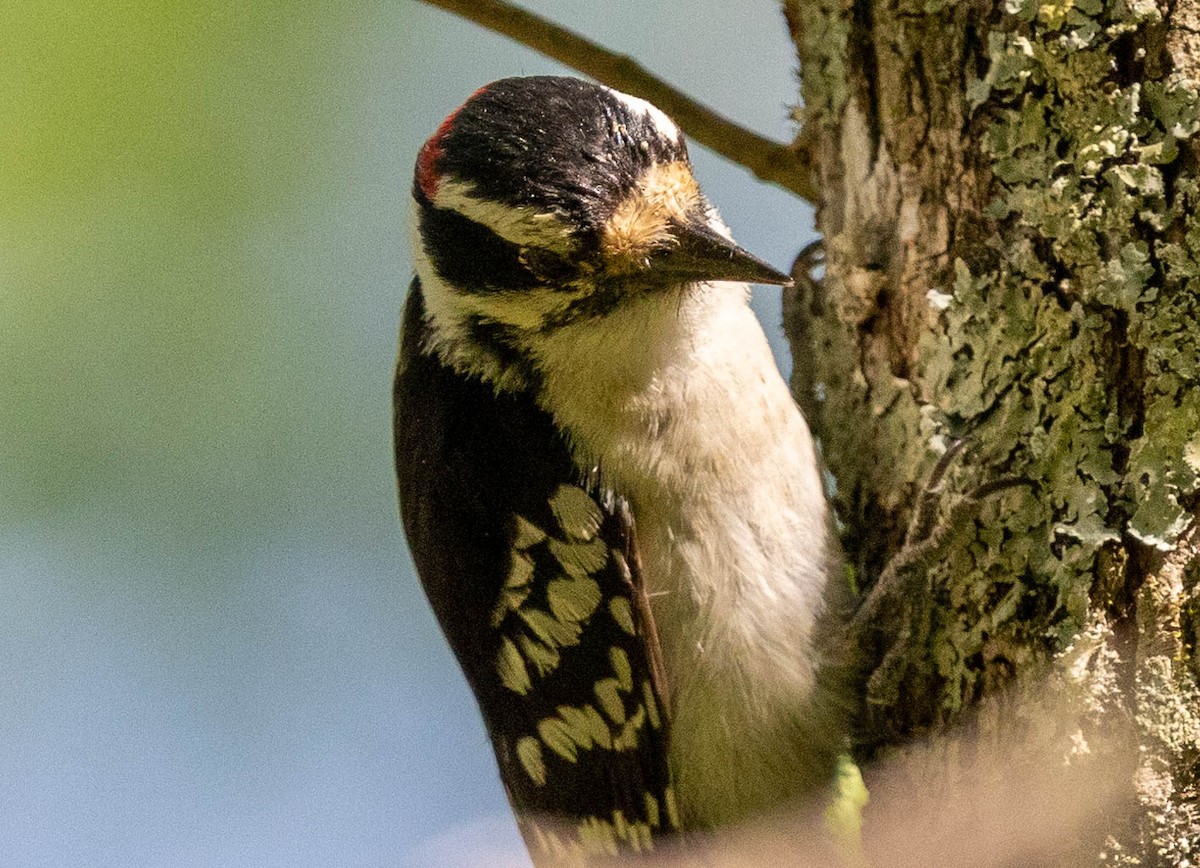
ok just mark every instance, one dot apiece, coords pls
pixel 1002 364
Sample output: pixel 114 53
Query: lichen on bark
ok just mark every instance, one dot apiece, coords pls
pixel 1009 204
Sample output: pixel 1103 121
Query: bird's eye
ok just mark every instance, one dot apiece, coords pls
pixel 546 265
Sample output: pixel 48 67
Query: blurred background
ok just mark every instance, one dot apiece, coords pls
pixel 213 650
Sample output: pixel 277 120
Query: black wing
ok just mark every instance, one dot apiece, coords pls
pixel 532 578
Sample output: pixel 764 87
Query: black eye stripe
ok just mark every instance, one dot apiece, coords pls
pixel 471 257
pixel 548 266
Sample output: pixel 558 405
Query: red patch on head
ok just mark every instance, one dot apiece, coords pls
pixel 428 174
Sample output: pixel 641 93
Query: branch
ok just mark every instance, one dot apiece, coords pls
pixel 767 159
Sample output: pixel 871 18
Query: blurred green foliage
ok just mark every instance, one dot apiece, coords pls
pixel 165 349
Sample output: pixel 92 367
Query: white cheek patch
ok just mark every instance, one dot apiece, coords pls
pixel 665 126
pixel 526 310
pixel 522 226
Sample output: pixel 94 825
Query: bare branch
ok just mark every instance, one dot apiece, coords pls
pixel 767 159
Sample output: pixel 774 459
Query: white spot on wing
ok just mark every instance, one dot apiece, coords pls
pixel 511 668
pixel 529 752
pixel 622 613
pixel 580 559
pixel 527 534
pixel 555 736
pixel 607 691
pixel 520 570
pixel 573 599
pixel 576 512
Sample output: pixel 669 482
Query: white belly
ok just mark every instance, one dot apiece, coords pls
pixel 678 404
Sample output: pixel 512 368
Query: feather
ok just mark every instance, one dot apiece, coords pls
pixel 528 573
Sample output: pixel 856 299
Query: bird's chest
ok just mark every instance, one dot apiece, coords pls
pixel 699 433
pixel 687 418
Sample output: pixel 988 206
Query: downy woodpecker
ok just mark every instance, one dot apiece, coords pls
pixel 611 499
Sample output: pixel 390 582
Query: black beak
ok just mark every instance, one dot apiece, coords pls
pixel 702 253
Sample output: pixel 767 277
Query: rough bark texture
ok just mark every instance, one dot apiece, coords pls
pixel 1009 205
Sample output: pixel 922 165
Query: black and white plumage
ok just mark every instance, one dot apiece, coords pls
pixel 612 502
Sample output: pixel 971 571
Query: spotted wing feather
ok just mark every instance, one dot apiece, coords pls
pixel 532 579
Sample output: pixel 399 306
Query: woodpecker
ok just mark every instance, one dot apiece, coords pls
pixel 612 501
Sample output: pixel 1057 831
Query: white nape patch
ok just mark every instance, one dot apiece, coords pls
pixel 662 123
pixel 522 226
pixel 675 398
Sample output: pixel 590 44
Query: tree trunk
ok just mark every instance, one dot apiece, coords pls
pixel 1002 364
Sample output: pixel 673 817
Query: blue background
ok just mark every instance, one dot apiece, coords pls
pixel 213 650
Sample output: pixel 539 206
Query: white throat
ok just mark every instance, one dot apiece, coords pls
pixel 676 401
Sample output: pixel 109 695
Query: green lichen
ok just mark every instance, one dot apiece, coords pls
pixel 1069 357
pixel 825 35
pixel 1062 342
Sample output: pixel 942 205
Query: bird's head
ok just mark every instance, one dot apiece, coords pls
pixel 544 201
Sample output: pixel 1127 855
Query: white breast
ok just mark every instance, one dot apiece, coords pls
pixel 678 403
